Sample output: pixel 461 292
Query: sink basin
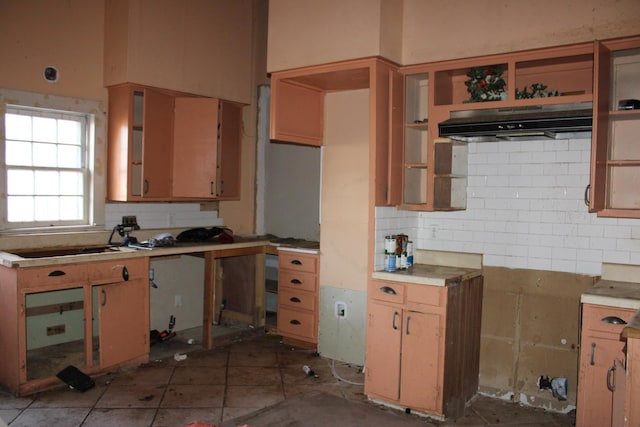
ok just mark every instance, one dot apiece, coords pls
pixel 64 251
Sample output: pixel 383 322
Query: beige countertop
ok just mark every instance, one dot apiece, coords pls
pixel 613 293
pixel 9 259
pixel 427 274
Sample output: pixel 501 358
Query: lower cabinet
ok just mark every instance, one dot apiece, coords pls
pixel 93 315
pixel 298 296
pixel 601 348
pixel 423 345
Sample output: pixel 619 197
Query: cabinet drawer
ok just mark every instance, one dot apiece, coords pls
pixel 296 299
pixel 387 291
pixel 297 280
pixel 113 271
pixel 52 275
pixel 593 315
pixel 297 261
pixel 425 294
pixel 297 323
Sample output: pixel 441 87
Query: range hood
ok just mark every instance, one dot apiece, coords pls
pixel 538 122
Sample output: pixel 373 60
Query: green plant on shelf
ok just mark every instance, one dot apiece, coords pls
pixel 486 84
pixel 538 90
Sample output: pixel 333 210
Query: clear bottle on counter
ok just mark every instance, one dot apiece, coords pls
pixel 390 253
pixel 409 254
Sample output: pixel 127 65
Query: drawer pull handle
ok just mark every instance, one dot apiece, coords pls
pixel 393 322
pixel 56 273
pixel 614 320
pixel 104 298
pixel 610 372
pixel 295 322
pixel 296 282
pixel 295 299
pixel 388 290
pixel 125 273
pixel 408 321
pixel 296 262
pixel 593 354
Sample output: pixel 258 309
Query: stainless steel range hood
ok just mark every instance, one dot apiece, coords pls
pixel 527 123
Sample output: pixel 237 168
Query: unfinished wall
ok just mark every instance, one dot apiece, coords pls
pixel 530 327
pixel 436 30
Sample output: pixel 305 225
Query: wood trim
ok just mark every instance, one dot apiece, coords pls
pixel 54 308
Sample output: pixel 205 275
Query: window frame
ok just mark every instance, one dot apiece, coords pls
pixel 95 156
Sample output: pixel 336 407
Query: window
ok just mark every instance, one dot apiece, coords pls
pixel 46 165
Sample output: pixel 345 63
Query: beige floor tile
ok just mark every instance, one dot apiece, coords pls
pixel 193 396
pixel 254 358
pixel 8 415
pixel 199 375
pixel 297 357
pixel 120 417
pixel 253 396
pixel 9 401
pixel 131 396
pixel 173 417
pixel 268 343
pixel 147 374
pixel 253 375
pixel 212 358
pixel 231 413
pixel 59 417
pixel 68 398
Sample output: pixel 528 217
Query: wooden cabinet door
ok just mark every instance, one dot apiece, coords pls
pixel 384 330
pixel 297 113
pixel 595 400
pixel 229 151
pixel 156 145
pixel 123 321
pixel 600 132
pixel 195 141
pixel 420 386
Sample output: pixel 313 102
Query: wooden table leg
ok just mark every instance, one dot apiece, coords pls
pixel 208 302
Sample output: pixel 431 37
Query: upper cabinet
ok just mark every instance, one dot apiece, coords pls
pixel 170 146
pixel 297 112
pixel 615 152
pixel 434 169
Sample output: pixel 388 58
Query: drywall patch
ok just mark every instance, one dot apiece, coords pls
pixel 342 338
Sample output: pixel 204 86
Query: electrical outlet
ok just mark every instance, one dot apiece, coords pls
pixel 341 309
pixel 129 220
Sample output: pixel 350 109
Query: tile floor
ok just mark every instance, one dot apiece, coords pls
pixel 221 384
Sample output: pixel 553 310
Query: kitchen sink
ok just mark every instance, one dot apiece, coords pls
pixel 64 251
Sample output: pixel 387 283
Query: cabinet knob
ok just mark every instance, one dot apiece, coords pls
pixel 56 273
pixel 610 372
pixel 587 198
pixel 614 320
pixel 388 290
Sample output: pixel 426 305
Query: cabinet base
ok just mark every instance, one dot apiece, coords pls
pixel 405 409
pixel 300 343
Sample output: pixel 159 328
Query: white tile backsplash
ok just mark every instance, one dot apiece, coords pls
pixel 525 209
pixel 162 215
